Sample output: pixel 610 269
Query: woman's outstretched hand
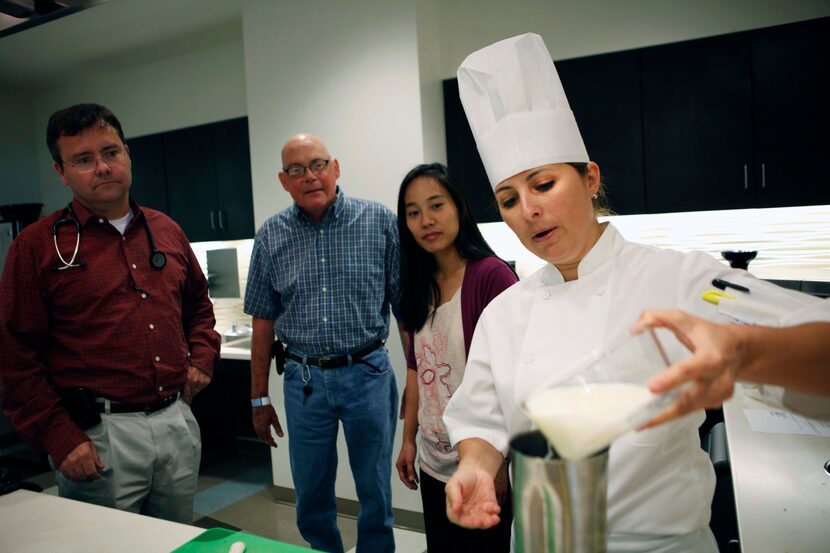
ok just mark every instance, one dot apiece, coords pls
pixel 471 499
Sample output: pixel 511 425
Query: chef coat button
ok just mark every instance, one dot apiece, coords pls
pixel 157 358
pixel 152 326
pixel 546 294
pixel 101 221
pixel 134 267
pixel 144 296
pixel 161 388
pixel 528 359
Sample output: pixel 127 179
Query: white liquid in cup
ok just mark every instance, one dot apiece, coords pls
pixel 581 420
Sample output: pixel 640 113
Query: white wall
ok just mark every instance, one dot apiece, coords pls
pixel 430 42
pixel 348 72
pixel 19 180
pixel 191 89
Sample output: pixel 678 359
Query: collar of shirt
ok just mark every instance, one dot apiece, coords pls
pixel 333 212
pixel 84 215
pixel 600 253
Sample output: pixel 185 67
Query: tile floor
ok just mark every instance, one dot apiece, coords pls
pixel 234 491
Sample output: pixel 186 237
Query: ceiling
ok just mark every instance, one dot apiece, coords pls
pixel 112 34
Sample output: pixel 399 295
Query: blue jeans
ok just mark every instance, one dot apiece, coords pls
pixel 364 397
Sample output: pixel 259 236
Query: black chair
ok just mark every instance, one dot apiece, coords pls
pixel 724 521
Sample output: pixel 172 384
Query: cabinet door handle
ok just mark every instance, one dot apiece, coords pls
pixel 746 177
pixel 212 222
pixel 763 175
pixel 221 220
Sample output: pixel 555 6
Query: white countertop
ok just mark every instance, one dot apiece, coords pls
pixel 782 493
pixel 39 523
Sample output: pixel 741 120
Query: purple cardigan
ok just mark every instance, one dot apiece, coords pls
pixel 484 279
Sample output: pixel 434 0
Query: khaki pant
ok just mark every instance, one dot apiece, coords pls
pixel 151 464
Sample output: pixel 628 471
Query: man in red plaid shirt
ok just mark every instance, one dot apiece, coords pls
pixel 107 332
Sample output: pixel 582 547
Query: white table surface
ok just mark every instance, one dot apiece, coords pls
pixel 39 523
pixel 782 492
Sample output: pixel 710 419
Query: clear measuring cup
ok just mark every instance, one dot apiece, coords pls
pixel 601 397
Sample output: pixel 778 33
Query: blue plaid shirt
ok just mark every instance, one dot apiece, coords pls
pixel 328 287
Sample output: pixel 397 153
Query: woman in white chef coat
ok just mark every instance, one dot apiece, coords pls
pixel 593 288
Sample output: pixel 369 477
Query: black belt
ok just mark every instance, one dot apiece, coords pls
pixel 146 408
pixel 334 362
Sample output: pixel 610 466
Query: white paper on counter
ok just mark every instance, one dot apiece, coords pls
pixel 774 421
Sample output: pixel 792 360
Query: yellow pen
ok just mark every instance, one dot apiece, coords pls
pixel 715 296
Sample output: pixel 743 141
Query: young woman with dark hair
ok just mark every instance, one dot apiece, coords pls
pixel 448 275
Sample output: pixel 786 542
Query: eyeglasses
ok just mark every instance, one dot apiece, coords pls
pixel 317 165
pixel 88 163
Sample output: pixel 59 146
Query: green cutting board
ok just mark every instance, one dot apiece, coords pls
pixel 219 540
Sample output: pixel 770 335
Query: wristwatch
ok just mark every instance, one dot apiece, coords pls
pixel 260 401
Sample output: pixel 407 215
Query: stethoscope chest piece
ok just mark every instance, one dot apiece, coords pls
pixel 158 260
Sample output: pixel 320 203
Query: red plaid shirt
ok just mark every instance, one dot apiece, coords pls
pixel 87 326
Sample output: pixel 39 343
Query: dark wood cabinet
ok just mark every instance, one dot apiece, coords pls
pixel 223 408
pixel 604 94
pixel 727 122
pixel 191 182
pixel 234 195
pixel 735 121
pixel 200 176
pixel 149 187
pixel 791 90
pixel 697 125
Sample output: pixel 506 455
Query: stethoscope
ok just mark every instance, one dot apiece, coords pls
pixel 157 259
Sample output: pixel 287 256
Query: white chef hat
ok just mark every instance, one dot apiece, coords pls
pixel 517 108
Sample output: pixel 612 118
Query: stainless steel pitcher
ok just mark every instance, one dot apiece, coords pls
pixel 559 505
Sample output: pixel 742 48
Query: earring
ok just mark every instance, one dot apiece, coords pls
pixel 595 196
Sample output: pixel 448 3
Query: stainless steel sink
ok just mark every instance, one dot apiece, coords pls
pixel 239 343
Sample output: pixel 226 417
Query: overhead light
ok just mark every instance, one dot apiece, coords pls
pixel 17 8
pixel 19 15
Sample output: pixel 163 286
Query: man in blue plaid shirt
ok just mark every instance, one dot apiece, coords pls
pixel 322 277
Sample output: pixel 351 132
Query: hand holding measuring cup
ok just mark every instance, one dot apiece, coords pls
pixel 601 397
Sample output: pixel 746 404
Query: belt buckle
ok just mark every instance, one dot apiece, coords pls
pixel 323 361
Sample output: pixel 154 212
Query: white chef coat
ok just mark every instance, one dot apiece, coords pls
pixel 660 480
